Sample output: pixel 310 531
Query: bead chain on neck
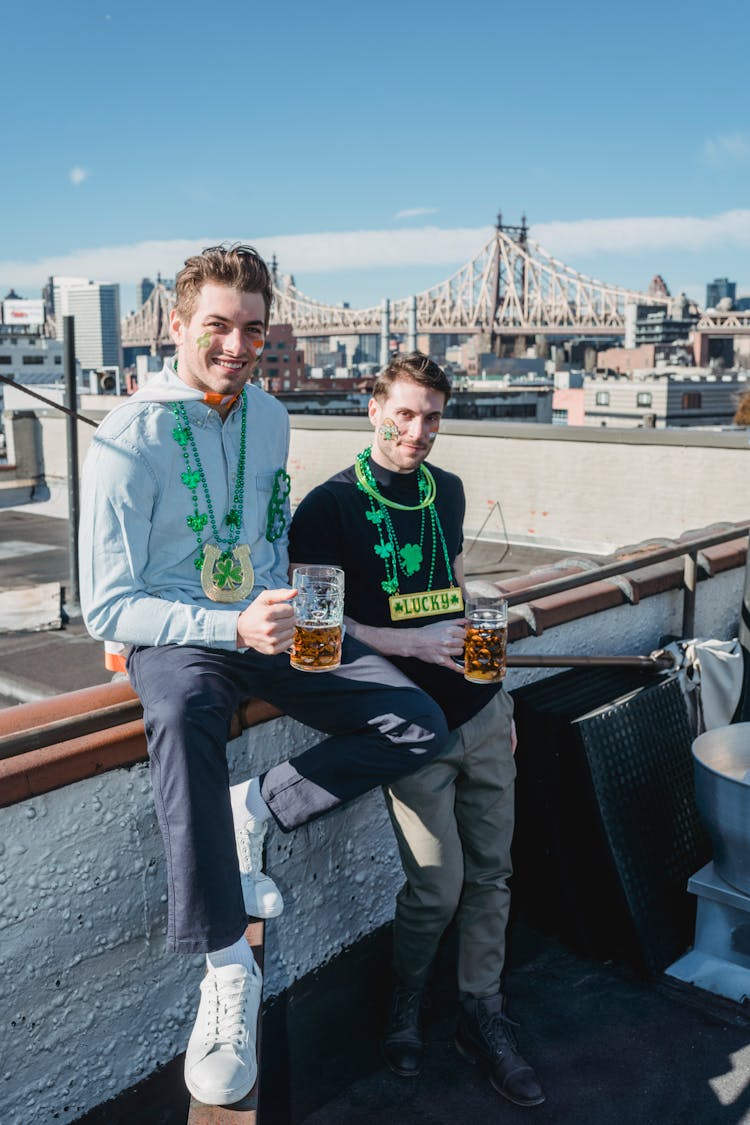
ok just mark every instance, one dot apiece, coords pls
pixel 390 552
pixel 192 477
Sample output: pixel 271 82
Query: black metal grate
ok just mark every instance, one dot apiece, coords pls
pixel 607 832
pixel 639 756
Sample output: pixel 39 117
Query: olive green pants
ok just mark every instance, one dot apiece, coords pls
pixel 454 825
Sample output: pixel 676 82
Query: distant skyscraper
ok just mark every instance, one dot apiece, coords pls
pixel 143 291
pixel 719 288
pixel 95 308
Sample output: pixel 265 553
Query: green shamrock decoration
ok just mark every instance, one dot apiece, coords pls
pixel 227 573
pixel 198 522
pixel 192 480
pixel 391 586
pixel 282 484
pixel 374 517
pixel 382 550
pixel 275 517
pixel 180 436
pixel 232 518
pixel 411 557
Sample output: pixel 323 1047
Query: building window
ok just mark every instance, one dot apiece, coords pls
pixel 644 398
pixel 559 417
pixel 6 359
pixel 58 359
pixel 602 398
pixel 272 358
pixel 29 359
pixel 691 400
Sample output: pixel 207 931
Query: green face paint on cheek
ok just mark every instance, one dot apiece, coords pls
pixel 204 340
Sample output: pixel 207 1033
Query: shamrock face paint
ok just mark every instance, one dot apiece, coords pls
pixel 388 430
pixel 204 340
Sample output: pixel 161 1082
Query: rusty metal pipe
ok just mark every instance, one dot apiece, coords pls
pixel 73 726
pixel 657 662
pixel 39 735
pixel 622 566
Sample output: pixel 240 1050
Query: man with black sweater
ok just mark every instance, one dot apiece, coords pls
pixel 394 523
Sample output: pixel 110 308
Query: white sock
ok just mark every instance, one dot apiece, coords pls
pixel 248 804
pixel 238 954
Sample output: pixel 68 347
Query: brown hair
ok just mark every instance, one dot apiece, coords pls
pixel 237 266
pixel 417 368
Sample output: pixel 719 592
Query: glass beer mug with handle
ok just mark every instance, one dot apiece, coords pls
pixel 319 615
pixel 486 639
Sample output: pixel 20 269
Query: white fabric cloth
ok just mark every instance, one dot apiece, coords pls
pixel 710 675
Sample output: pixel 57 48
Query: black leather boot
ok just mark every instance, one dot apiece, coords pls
pixel 403 1043
pixel 485 1035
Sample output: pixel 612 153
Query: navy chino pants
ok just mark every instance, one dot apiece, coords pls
pixel 379 727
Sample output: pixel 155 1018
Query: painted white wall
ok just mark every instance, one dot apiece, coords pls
pixel 575 488
pixel 93 1004
pixel 586 489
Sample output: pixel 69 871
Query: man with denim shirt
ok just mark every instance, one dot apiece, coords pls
pixel 183 553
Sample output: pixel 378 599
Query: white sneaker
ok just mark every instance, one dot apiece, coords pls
pixel 220 1062
pixel 262 896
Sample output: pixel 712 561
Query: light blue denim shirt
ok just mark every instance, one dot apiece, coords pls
pixel 139 582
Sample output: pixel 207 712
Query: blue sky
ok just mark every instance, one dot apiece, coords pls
pixel 371 146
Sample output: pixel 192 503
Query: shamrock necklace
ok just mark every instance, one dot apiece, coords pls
pixel 409 558
pixel 226 575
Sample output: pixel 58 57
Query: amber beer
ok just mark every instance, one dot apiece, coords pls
pixel 316 648
pixel 486 640
pixel 319 615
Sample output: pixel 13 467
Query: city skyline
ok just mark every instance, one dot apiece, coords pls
pixel 371 154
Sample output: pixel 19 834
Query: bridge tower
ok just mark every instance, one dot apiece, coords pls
pixel 411 328
pixel 520 235
pixel 385 332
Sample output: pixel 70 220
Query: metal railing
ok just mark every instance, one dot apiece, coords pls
pixel 689 550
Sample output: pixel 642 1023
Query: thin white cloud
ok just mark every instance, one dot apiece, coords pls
pixel 588 237
pixel 413 212
pixel 296 253
pixel 728 148
pixel 77 175
pixel 307 254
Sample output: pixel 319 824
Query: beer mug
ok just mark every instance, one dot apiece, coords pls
pixel 319 615
pixel 486 639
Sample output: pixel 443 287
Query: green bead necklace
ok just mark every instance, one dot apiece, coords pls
pixel 226 575
pixel 407 559
pixel 193 477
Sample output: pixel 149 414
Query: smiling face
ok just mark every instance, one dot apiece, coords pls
pixel 219 345
pixel 416 412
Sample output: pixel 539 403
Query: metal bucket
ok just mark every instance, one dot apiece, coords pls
pixel 722 792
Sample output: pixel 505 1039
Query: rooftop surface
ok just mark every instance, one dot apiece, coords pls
pixel 610 1048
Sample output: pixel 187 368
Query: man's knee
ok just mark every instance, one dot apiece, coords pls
pixel 419 733
pixel 435 894
pixel 185 713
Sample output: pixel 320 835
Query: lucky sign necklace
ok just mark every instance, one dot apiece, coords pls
pixel 409 558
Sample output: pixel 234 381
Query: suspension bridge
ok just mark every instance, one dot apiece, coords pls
pixel 511 287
